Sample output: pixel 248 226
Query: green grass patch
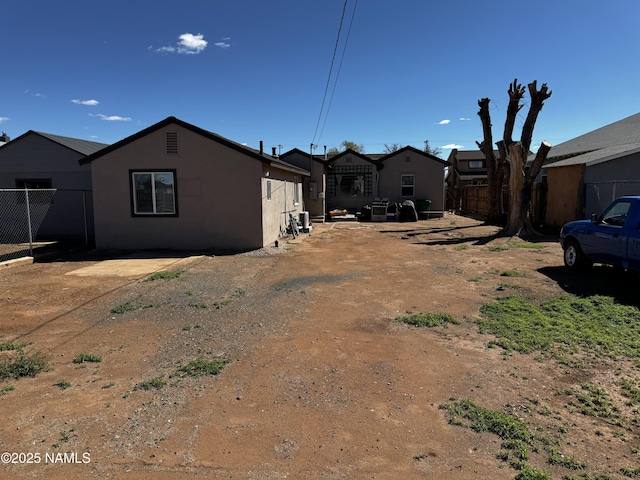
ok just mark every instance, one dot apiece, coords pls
pixel 7 389
pixel 87 357
pixel 427 319
pixel 23 365
pixel 532 473
pixel 597 324
pixel 200 367
pixel 630 390
pixel 164 275
pixel 222 303
pixel 630 472
pixel 8 346
pixel 63 384
pixel 123 308
pixel 557 458
pixel 593 401
pixel 510 273
pixel 152 384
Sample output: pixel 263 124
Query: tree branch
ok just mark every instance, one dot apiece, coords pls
pixel 537 101
pixel 537 163
pixel 516 93
pixel 487 144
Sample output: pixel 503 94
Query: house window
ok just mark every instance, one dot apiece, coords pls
pixel 407 159
pixel 154 193
pixel 171 143
pixel 268 189
pixel 476 164
pixel 296 194
pixel 407 185
pixel 350 181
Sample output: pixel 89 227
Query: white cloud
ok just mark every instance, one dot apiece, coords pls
pixel 451 146
pixel 444 122
pixel 188 44
pixel 4 119
pixel 41 95
pixel 91 103
pixel 464 119
pixel 222 44
pixel 111 118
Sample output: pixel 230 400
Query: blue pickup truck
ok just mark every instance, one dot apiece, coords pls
pixel 612 238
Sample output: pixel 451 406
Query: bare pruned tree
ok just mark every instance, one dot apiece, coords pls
pixel 511 167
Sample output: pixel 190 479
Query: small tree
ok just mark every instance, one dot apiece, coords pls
pixel 511 167
pixel 394 147
pixel 435 151
pixel 346 145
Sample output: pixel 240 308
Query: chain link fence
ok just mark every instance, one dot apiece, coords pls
pixel 22 212
pixel 597 196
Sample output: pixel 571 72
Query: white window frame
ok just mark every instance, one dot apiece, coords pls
pixel 296 193
pixel 154 213
pixel 412 185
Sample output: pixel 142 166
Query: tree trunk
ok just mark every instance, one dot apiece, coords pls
pixel 517 159
pixel 495 170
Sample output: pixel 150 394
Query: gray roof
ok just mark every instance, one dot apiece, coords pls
pixel 598 156
pixel 81 146
pixel 625 132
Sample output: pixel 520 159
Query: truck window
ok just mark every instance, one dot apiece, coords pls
pixel 616 214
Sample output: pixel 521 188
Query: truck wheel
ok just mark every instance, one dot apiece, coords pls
pixel 573 256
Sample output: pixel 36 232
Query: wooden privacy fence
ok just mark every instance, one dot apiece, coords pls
pixel 474 200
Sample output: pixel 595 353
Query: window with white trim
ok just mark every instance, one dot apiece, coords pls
pixel 296 193
pixel 407 185
pixel 476 164
pixel 154 193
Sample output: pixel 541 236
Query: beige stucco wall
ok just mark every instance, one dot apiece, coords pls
pixel 563 194
pixel 429 178
pixel 275 216
pixel 314 186
pixel 218 196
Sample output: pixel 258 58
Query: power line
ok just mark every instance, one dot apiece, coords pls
pixel 326 88
pixel 335 83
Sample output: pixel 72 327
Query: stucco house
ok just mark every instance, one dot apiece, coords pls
pixel 315 185
pixel 176 186
pixel 411 174
pixel 42 160
pixel 585 174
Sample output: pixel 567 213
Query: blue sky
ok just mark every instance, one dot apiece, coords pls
pixel 254 70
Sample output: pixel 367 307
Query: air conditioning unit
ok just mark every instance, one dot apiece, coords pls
pixel 304 221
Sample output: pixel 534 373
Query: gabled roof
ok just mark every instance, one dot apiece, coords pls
pixel 317 158
pixel 620 133
pixel 470 154
pixel 267 159
pixel 348 151
pixel 83 147
pixel 598 156
pixel 411 149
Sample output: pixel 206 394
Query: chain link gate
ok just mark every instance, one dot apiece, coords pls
pixel 21 214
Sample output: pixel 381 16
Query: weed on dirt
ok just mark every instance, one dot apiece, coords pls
pixel 164 275
pixel 23 365
pixel 152 384
pixel 87 357
pixel 427 319
pixel 200 367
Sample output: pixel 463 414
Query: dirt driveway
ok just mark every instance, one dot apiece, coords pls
pixel 322 382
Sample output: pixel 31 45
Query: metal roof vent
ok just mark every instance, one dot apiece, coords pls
pixel 171 142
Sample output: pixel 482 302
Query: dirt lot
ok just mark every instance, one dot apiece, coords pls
pixel 322 381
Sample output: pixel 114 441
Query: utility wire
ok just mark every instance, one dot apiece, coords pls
pixel 335 83
pixel 326 88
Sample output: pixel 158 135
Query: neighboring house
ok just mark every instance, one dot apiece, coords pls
pixel 352 181
pixel 585 174
pixel 411 174
pixel 314 186
pixel 42 160
pixel 468 167
pixel 176 186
